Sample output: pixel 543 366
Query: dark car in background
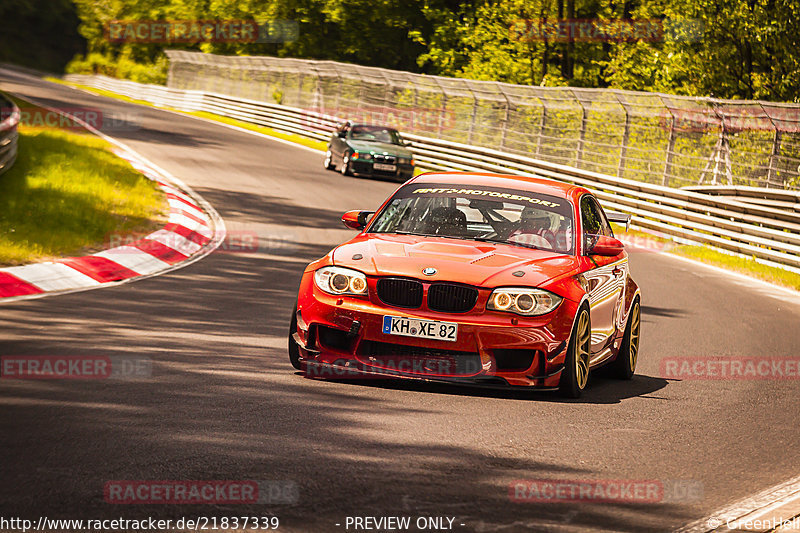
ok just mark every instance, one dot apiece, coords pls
pixel 369 150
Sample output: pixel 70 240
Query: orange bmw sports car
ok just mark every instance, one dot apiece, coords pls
pixel 473 278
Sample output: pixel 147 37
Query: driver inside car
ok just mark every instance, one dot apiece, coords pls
pixel 534 228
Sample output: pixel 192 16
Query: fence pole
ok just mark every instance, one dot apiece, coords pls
pixel 670 149
pixel 623 153
pixel 506 117
pixel 579 152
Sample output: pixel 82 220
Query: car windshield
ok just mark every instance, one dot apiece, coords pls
pixel 478 213
pixel 375 134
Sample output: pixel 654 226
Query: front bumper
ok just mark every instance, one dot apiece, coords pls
pixel 342 338
pixel 365 168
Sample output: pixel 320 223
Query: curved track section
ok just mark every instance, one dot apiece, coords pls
pixel 223 403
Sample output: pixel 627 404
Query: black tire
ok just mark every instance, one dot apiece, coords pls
pixel 574 378
pixel 294 350
pixel 345 170
pixel 624 365
pixel 328 163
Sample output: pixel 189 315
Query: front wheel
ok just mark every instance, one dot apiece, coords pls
pixel 575 375
pixel 624 365
pixel 294 350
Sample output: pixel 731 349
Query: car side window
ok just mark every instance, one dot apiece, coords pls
pixel 607 231
pixel 594 221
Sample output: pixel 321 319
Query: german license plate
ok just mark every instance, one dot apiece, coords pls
pixel 384 166
pixel 423 329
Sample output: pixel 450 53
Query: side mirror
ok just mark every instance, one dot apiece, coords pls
pixel 607 246
pixel 341 134
pixel 356 219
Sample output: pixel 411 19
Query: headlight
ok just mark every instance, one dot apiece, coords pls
pixel 523 301
pixel 359 155
pixel 403 161
pixel 338 280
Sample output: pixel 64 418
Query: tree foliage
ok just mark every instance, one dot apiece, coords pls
pixel 731 49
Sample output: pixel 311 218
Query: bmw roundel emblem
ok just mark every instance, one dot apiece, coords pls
pixel 429 271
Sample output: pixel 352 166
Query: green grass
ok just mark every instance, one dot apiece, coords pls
pixel 67 194
pixel 703 254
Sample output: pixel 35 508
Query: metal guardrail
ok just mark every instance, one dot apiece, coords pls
pixel 778 198
pixel 644 136
pixel 769 233
pixel 9 136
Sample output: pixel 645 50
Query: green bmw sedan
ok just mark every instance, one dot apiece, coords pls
pixel 369 150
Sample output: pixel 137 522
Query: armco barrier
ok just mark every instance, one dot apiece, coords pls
pixel 659 138
pixel 771 233
pixel 9 119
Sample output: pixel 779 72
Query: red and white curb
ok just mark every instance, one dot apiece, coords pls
pixel 193 230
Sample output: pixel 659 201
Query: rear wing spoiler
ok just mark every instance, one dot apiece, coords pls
pixel 619 218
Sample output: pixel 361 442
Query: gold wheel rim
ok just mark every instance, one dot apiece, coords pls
pixel 634 344
pixel 582 351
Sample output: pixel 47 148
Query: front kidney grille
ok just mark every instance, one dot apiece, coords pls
pixel 451 298
pixel 400 292
pixel 385 159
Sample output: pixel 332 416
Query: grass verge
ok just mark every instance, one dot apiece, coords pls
pixel 710 256
pixel 67 194
pixel 744 265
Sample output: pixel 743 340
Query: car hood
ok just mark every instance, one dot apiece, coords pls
pixel 379 148
pixel 471 262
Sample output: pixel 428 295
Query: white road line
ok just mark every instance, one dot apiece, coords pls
pixel 752 506
pixel 52 276
pixel 763 287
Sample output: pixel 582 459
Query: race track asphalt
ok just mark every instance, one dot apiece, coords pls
pixel 223 403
